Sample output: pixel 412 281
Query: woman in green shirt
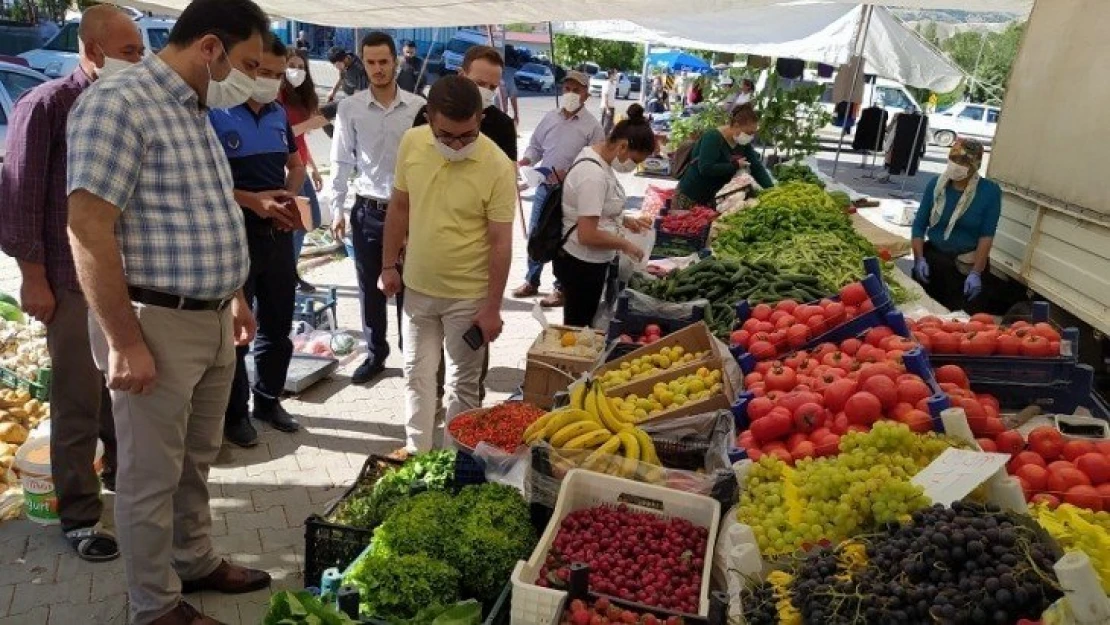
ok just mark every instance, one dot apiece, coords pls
pixel 718 155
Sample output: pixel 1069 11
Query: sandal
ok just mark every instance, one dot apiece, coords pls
pixel 93 544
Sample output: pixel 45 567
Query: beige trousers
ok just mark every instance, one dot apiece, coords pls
pixel 431 324
pixel 167 442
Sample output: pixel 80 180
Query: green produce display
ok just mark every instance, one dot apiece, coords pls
pixel 10 312
pixel 795 172
pixel 726 282
pixel 368 505
pixel 8 299
pixel 301 608
pixel 794 208
pixel 434 547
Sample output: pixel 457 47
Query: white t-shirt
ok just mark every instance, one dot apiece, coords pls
pixel 592 191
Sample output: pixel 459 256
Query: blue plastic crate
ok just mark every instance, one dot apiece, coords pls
pixel 672 244
pixel 313 309
pixel 1062 395
pixel 627 322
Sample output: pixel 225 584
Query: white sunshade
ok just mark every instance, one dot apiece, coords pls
pixel 414 13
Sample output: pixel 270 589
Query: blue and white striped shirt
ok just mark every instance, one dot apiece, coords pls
pixel 140 141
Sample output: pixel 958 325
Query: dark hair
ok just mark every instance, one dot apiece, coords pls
pixel 747 82
pixel 636 130
pixel 303 97
pixel 275 47
pixel 409 43
pixel 743 114
pixel 375 39
pixel 455 97
pixel 482 52
pixel 336 54
pixel 233 21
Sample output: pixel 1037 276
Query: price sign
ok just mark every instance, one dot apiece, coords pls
pixel 957 472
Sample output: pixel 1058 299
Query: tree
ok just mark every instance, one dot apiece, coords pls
pixel 987 59
pixel 572 50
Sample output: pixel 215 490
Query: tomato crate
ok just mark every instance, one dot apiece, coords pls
pixel 39 388
pixel 536 605
pixel 317 310
pixel 1071 390
pixel 334 545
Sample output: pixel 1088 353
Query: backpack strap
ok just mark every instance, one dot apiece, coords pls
pixel 566 237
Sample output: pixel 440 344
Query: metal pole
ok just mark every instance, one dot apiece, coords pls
pixel 644 75
pixel 424 64
pixel 551 40
pixel 978 58
pixel 858 44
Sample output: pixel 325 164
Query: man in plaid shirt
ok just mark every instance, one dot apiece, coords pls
pixel 161 254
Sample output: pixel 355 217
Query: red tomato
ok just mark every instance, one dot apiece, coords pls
pixel 993 426
pixel 771 428
pixel 652 329
pixel 1059 465
pixel 797 335
pixel 837 394
pixel 983 318
pixel 750 324
pixel 827 445
pixel 1046 441
pixel 764 326
pixel 1010 442
pixel 1026 489
pixel 1074 449
pixel 913 390
pixel 793 440
pixel 835 314
pixel 816 325
pixel 1095 465
pixel 784 321
pixel 762 350
pixel 1051 500
pixel 924 340
pixel 762 312
pixel 1104 492
pixel 986 444
pixel 1103 447
pixel 1009 345
pixel 804 449
pixel 782 454
pixel 953 375
pixel 988 401
pixel 788 305
pixel 1059 481
pixel 745 439
pixel 850 346
pixel 1036 476
pixel 918 420
pixel 739 338
pixel 1084 496
pixel 752 378
pixel 866 306
pixel 979 344
pixel 759 408
pixel 883 388
pixel 1045 330
pixel 778 339
pixel 863 408
pixel 853 294
pixel 1036 346
pixel 876 335
pixel 901 410
pixel 837 359
pixel 781 379
pixel 945 343
pixel 808 417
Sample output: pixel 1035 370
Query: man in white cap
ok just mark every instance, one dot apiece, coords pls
pixel 557 140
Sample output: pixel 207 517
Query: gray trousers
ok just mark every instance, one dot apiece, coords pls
pixel 168 439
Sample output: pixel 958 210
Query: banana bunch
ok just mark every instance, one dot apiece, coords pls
pixel 591 431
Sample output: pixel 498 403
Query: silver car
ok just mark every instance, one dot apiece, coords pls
pixel 15 80
pixel 58 57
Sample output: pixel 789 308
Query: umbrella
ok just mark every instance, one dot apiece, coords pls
pixel 678 61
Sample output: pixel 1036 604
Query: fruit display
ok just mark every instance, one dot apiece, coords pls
pixel 23 347
pixel 607 439
pixel 967 563
pixel 772 331
pixel 502 426
pixel 725 282
pixel 603 611
pixel 1053 469
pixel 648 365
pixel 697 386
pixel 636 556
pixel 981 336
pixel 840 496
pixel 652 333
pixel 691 223
pixel 578 342
pixel 1079 529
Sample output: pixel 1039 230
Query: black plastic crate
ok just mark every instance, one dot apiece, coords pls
pixel 313 309
pixel 469 469
pixel 627 322
pixel 333 545
pixel 1069 391
pixel 499 612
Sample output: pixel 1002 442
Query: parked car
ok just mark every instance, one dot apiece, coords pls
pixel 534 77
pixel 636 81
pixel 889 94
pixel 58 57
pixel 456 49
pixel 598 81
pixel 964 119
pixel 14 81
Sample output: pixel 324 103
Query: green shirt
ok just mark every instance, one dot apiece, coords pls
pixel 712 167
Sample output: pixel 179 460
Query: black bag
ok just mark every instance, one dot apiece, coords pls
pixel 547 239
pixel 683 157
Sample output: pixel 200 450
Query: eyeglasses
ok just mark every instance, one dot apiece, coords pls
pixel 459 140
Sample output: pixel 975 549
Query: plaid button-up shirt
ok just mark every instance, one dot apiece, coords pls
pixel 140 141
pixel 33 179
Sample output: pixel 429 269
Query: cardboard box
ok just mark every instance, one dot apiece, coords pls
pixel 547 373
pixel 720 401
pixel 695 338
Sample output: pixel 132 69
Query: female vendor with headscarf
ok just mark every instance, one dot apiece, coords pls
pixel 954 229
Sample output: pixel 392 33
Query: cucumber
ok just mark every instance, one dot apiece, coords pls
pixel 800 278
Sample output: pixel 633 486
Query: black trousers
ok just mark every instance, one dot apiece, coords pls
pixel 946 283
pixel 583 284
pixel 368 236
pixel 271 289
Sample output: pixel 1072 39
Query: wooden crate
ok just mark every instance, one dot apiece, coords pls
pixel 720 401
pixel 694 338
pixel 546 373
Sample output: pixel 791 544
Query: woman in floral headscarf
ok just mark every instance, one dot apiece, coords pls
pixel 954 230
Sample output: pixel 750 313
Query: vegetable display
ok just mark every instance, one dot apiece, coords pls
pixel 368 505
pixel 1052 469
pixel 693 222
pixel 795 172
pixel 302 608
pixel 1080 529
pixel 650 559
pixel 981 336
pixel 23 346
pixel 501 426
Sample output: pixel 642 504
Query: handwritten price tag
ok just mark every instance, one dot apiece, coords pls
pixel 957 472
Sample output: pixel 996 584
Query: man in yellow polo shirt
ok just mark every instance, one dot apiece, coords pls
pixel 452 209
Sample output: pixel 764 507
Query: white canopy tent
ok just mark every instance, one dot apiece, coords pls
pixel 417 13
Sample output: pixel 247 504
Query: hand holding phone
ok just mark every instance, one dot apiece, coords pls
pixel 474 338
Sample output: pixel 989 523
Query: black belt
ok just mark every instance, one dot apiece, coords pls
pixel 166 300
pixel 371 202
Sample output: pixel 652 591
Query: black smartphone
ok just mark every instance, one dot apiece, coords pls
pixel 329 110
pixel 474 338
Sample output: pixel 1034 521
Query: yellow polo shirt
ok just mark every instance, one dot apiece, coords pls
pixel 450 207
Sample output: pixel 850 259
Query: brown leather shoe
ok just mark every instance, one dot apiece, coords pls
pixel 525 290
pixel 230 579
pixel 185 614
pixel 555 300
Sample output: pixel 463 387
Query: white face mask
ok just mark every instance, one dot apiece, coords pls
pixel 453 155
pixel 571 102
pixel 955 171
pixel 230 92
pixel 266 90
pixel 623 167
pixel 112 67
pixel 744 138
pixel 487 96
pixel 295 76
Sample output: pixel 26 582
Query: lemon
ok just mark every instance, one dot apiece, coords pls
pixel 678 350
pixel 702 372
pixel 639 413
pixel 569 340
pixel 626 366
pixel 696 385
pixel 680 399
pixel 666 398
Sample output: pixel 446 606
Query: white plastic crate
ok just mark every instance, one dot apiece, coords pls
pixel 535 605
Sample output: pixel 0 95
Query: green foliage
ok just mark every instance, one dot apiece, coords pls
pixel 795 172
pixel 369 504
pixel 301 608
pixel 393 587
pixel 791 117
pixel 571 50
pixel 495 531
pixel 992 53
pixel 420 524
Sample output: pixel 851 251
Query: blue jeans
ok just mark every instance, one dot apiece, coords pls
pixel 536 269
pixel 308 191
pixel 367 235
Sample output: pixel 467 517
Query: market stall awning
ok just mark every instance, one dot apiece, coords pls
pixel 678 61
pixel 815 31
pixel 414 13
